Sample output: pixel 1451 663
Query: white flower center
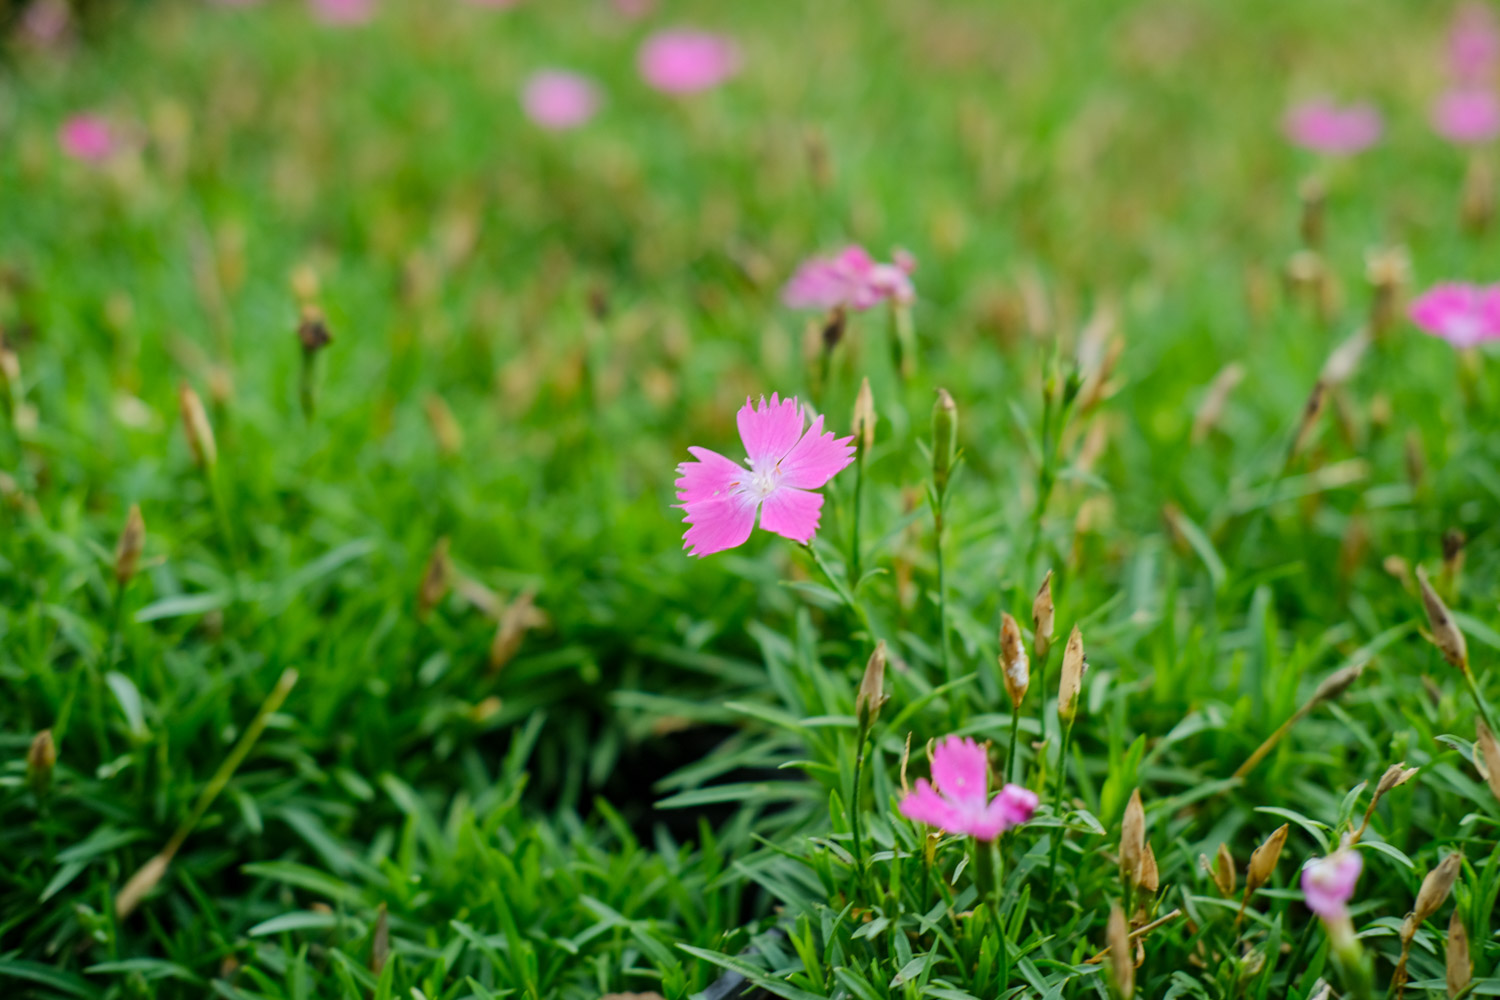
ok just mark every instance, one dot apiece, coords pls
pixel 762 484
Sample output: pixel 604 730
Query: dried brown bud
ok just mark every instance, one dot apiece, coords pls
pixel 833 328
pixel 515 620
pixel 1344 360
pixel 1395 776
pixel 1015 667
pixel 1121 962
pixel 196 428
pixel 1460 968
pixel 1387 270
pixel 312 331
pixel 380 944
pixel 1071 681
pixel 864 416
pixel 1336 684
pixel 1133 838
pixel 1224 873
pixel 41 760
pixel 445 427
pixel 871 693
pixel 1150 873
pixel 1263 860
pixel 1487 756
pixel 130 546
pixel 1211 409
pixel 1043 618
pixel 1434 892
pixel 141 884
pixel 1445 634
pixel 435 580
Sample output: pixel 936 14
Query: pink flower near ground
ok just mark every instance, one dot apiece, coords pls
pixel 1462 314
pixel 1473 45
pixel 1328 883
pixel 686 62
pixel 88 138
pixel 343 12
pixel 556 99
pixel 958 800
pixel 852 279
pixel 1325 127
pixel 1468 116
pixel 721 497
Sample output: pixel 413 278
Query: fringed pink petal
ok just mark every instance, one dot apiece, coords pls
pixel 962 771
pixel 925 805
pixel 711 476
pixel 817 458
pixel 716 525
pixel 791 513
pixel 769 430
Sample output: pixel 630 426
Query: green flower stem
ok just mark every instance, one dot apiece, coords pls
pixel 855 823
pixel 1011 762
pixel 1057 800
pixel 842 590
pixel 1484 708
pixel 859 487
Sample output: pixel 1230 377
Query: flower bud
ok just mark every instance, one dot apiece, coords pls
pixel 1263 860
pixel 141 884
pixel 41 759
pixel 1121 962
pixel 1225 876
pixel 1133 839
pixel 128 550
pixel 864 417
pixel 312 331
pixel 435 580
pixel 1015 668
pixel 1071 681
pixel 1434 891
pixel 944 439
pixel 1460 968
pixel 1487 757
pixel 1150 873
pixel 196 428
pixel 517 618
pixel 871 693
pixel 1445 634
pixel 1043 618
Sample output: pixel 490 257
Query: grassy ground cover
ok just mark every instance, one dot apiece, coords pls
pixel 412 691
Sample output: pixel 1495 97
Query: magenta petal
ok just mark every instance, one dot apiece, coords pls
pixel 1464 315
pixel 817 458
pixel 716 525
pixel 962 770
pixel 1015 804
pixel 1328 883
pixel 925 805
pixel 769 430
pixel 791 513
pixel 711 476
pixel 818 284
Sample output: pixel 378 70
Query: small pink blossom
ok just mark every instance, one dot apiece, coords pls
pixel 634 9
pixel 721 497
pixel 556 99
pixel 958 800
pixel 852 279
pixel 1468 116
pixel 686 62
pixel 343 12
pixel 1328 883
pixel 1473 45
pixel 1462 314
pixel 1325 127
pixel 88 137
pixel 46 23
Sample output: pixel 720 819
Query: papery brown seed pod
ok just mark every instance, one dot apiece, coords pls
pixel 196 428
pixel 1435 888
pixel 515 620
pixel 1225 876
pixel 1015 667
pixel 1070 683
pixel 1150 873
pixel 1445 633
pixel 1263 860
pixel 1133 838
pixel 41 761
pixel 436 579
pixel 1121 961
pixel 1335 684
pixel 863 427
pixel 1459 967
pixel 871 694
pixel 1487 756
pixel 1395 776
pixel 130 546
pixel 1043 618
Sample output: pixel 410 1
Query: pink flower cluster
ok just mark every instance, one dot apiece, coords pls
pixel 852 279
pixel 958 799
pixel 721 497
pixel 1468 114
pixel 88 138
pixel 1464 315
pixel 1325 127
pixel 680 61
pixel 1328 883
pixel 558 100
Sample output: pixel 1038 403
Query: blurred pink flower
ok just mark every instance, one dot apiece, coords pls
pixel 1328 883
pixel 1325 127
pixel 556 99
pixel 634 9
pixel 494 4
pixel 721 497
pixel 959 800
pixel 46 23
pixel 343 12
pixel 1473 45
pixel 1463 315
pixel 852 279
pixel 686 62
pixel 88 137
pixel 1468 116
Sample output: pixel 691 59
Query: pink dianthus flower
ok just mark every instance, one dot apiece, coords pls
pixel 958 800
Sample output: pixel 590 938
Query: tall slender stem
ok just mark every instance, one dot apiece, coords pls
pixel 942 595
pixel 859 487
pixel 1012 768
pixel 855 822
pixel 841 590
pixel 1484 708
pixel 1057 800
